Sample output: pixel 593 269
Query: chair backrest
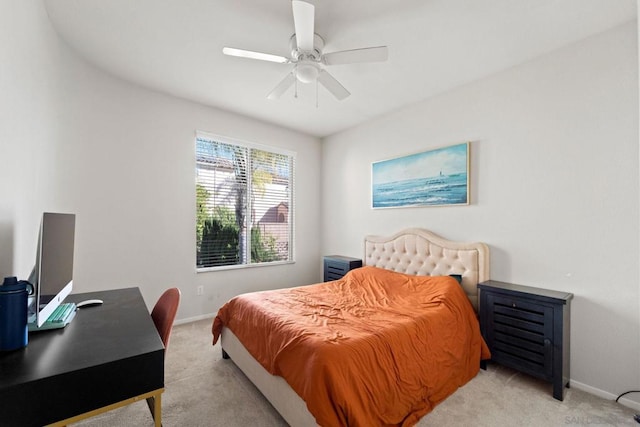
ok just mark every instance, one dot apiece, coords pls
pixel 164 313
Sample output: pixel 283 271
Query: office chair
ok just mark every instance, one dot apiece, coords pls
pixel 163 315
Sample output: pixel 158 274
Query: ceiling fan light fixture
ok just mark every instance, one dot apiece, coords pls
pixel 306 73
pixel 308 57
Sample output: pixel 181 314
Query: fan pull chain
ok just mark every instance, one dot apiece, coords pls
pixel 295 95
pixel 316 93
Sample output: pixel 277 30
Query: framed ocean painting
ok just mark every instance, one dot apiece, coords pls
pixel 438 177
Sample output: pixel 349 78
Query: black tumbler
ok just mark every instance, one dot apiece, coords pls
pixel 14 331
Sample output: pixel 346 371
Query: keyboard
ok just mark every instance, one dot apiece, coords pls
pixel 60 318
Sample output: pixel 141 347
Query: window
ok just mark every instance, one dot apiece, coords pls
pixel 244 196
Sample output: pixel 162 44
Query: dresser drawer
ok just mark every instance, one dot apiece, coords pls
pixel 335 271
pixel 336 266
pixel 520 334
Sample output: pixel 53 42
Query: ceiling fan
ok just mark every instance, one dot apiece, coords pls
pixel 308 58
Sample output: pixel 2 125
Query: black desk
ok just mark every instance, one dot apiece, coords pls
pixel 108 356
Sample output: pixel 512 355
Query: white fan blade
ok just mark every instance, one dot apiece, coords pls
pixel 282 87
pixel 367 54
pixel 332 85
pixel 303 20
pixel 254 55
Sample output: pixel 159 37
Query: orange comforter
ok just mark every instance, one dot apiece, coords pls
pixel 375 348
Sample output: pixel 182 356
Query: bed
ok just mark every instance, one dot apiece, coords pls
pixel 352 363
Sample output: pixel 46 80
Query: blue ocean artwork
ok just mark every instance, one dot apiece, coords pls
pixel 431 178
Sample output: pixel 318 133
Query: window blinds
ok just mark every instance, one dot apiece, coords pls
pixel 244 196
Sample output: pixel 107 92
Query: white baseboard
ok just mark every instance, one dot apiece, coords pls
pixel 605 394
pixel 195 318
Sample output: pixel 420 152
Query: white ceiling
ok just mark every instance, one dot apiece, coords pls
pixel 175 46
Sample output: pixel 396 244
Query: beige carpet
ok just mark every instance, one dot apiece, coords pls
pixel 204 390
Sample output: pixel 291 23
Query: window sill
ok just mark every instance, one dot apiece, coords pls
pixel 242 266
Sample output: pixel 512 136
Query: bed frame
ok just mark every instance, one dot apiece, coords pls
pixel 412 251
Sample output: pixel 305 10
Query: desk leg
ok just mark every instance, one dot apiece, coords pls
pixel 157 410
pixel 155 406
pixel 153 400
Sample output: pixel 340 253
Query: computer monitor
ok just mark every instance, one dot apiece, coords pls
pixel 52 276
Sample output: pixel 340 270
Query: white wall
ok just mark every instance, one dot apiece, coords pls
pixel 554 189
pixel 123 159
pixel 29 101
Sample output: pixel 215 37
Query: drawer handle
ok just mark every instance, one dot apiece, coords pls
pixel 513 304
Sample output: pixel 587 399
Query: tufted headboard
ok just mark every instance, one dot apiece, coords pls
pixel 420 252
